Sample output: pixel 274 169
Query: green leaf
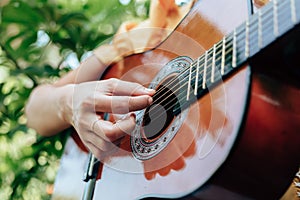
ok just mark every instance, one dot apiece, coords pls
pixel 21 13
pixel 22 50
pixel 75 18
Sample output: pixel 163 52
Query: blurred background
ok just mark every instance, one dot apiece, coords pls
pixel 40 40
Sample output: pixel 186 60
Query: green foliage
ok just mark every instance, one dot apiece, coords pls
pixel 36 38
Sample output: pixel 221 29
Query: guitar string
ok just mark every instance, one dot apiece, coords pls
pixel 208 67
pixel 183 73
pixel 238 33
pixel 175 85
pixel 157 93
pixel 217 61
pixel 272 16
pixel 201 57
pixel 267 11
pixel 168 106
pixel 160 91
pixel 230 36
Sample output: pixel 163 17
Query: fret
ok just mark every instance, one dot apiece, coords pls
pixel 190 81
pixel 293 11
pixel 238 44
pixel 218 55
pixel 253 35
pixel 228 54
pixel 270 22
pixel 247 50
pixel 275 17
pixel 240 41
pixel 226 60
pixel 284 17
pixel 234 49
pixel 197 76
pixel 204 71
pixel 209 66
pixel 213 65
pixel 218 62
pixel 223 55
pixel 267 25
pixel 297 8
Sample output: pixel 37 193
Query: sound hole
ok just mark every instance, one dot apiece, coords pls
pixel 160 114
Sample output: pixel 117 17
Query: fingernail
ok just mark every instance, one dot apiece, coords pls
pixel 150 100
pixel 133 115
pixel 149 90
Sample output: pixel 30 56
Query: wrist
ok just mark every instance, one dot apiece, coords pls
pixel 65 103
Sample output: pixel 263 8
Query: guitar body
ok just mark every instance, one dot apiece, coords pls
pixel 240 140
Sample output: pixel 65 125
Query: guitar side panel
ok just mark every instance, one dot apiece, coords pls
pixel 266 156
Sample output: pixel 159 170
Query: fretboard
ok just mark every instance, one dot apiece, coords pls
pixel 263 28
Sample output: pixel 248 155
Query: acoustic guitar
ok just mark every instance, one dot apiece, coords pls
pixel 225 121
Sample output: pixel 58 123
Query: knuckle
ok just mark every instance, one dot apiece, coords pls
pixel 111 134
pixel 86 103
pixel 111 84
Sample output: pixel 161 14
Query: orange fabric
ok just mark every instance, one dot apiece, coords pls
pixel 135 37
pixel 260 3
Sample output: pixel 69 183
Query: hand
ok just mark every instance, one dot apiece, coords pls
pixel 90 99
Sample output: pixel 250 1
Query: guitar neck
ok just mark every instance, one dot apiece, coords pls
pixel 267 26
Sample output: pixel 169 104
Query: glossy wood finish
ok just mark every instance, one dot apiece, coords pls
pixel 233 143
pixel 208 132
pixel 265 157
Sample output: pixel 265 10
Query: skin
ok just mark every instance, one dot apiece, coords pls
pixel 78 98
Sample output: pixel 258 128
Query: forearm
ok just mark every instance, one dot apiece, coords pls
pixel 89 70
pixel 46 109
pixel 49 104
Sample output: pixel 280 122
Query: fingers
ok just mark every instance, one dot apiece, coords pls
pixel 122 97
pixel 105 136
pixel 124 88
pixel 122 104
pixel 108 96
pixel 111 132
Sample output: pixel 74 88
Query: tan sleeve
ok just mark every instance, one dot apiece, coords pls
pixel 260 3
pixel 107 54
pixel 159 10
